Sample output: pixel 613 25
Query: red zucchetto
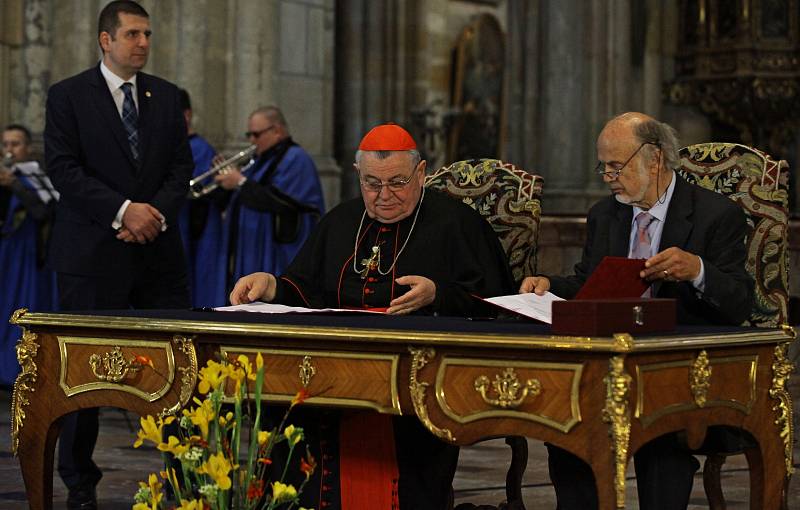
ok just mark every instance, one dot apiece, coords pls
pixel 387 137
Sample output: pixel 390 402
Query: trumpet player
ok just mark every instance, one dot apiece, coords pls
pixel 275 202
pixel 26 199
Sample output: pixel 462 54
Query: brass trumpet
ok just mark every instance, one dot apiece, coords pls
pixel 204 183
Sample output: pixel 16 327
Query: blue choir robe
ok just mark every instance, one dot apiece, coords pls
pixel 201 242
pixel 25 283
pixel 250 233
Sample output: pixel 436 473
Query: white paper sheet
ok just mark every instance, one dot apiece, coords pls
pixel 258 306
pixel 530 305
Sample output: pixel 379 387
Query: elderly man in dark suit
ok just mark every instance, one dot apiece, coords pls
pixel 117 151
pixel 693 243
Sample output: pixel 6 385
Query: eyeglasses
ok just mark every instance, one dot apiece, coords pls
pixel 256 134
pixel 600 169
pixel 376 185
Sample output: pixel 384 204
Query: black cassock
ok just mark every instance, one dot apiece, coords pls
pixel 452 245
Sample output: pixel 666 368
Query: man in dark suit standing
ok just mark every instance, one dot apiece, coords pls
pixel 693 243
pixel 117 151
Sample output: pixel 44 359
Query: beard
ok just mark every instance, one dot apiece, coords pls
pixel 637 196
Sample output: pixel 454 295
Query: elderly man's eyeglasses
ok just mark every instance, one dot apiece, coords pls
pixel 256 134
pixel 600 169
pixel 376 185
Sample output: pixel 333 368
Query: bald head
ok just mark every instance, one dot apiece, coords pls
pixel 639 154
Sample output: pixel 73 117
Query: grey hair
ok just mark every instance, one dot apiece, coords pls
pixel 273 114
pixel 661 135
pixel 415 157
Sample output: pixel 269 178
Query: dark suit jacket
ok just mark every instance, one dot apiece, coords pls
pixel 90 163
pixel 698 221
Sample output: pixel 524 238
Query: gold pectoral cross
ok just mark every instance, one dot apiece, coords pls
pixel 371 263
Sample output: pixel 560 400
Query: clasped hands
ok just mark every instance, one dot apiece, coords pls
pixel 141 223
pixel 672 265
pixel 261 287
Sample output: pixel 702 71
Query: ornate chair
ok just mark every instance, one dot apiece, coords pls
pixel 510 200
pixel 508 197
pixel 759 184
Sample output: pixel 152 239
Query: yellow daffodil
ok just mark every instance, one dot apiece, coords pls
pixel 153 490
pixel 193 504
pixel 263 437
pixel 218 468
pixel 212 376
pixel 293 434
pixel 282 493
pixel 174 446
pixel 224 420
pixel 201 416
pixel 259 361
pixel 150 431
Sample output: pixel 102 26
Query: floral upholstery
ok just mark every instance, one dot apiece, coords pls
pixel 508 197
pixel 760 185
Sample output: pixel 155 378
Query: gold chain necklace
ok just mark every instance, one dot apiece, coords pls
pixel 374 261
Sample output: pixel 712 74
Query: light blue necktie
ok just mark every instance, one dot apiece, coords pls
pixel 130 119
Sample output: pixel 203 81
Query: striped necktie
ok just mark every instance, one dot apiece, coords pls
pixel 641 248
pixel 130 119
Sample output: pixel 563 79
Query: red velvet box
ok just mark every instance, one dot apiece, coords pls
pixel 604 317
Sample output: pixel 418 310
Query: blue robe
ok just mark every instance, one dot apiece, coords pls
pixel 201 252
pixel 255 248
pixel 23 284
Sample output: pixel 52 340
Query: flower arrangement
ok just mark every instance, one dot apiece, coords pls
pixel 214 472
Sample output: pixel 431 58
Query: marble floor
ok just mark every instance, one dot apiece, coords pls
pixel 480 478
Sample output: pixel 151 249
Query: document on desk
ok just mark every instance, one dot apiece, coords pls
pixel 259 307
pixel 530 305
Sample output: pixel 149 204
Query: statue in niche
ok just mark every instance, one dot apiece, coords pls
pixel 479 66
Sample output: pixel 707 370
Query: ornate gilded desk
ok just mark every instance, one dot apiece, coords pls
pixel 466 380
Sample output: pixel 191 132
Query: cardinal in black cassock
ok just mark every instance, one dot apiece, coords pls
pixel 401 249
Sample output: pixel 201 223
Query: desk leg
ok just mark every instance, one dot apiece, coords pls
pixel 606 487
pixel 36 451
pixel 768 476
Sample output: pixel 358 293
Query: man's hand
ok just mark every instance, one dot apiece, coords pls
pixel 143 221
pixel 537 284
pixel 254 287
pixel 228 178
pixel 6 177
pixel 422 293
pixel 672 265
pixel 125 235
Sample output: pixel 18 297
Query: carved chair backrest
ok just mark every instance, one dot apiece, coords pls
pixel 760 185
pixel 508 197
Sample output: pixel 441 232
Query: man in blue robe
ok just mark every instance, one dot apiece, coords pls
pixel 275 204
pixel 26 197
pixel 200 220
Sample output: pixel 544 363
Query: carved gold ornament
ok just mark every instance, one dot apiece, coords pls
pixel 420 358
pixel 617 413
pixel 700 378
pixel 307 371
pixel 27 348
pixel 782 369
pixel 112 366
pixel 184 344
pixel 507 387
pixel 623 342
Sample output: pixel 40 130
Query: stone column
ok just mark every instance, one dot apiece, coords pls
pixel 302 73
pixel 29 87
